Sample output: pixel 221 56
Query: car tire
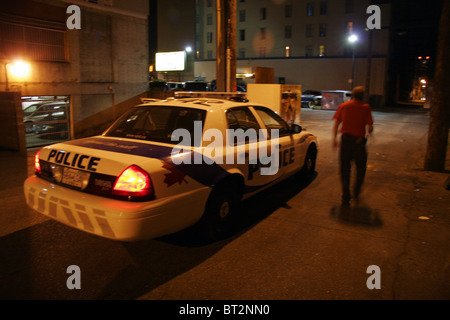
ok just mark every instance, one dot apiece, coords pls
pixel 29 127
pixel 220 212
pixel 309 166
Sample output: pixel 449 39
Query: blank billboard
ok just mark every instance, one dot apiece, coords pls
pixel 170 61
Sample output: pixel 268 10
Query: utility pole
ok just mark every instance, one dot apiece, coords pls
pixel 440 111
pixel 226 46
pixel 369 65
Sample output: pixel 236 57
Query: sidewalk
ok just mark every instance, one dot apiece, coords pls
pixel 408 205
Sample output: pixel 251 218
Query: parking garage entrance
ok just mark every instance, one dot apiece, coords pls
pixel 46 119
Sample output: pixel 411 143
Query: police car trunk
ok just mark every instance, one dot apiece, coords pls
pixel 106 186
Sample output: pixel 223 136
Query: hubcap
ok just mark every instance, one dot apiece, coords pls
pixel 224 210
pixel 309 164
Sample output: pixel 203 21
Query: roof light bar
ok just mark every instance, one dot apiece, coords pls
pixel 211 94
pixel 146 100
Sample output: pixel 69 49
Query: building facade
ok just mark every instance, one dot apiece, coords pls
pixel 94 72
pixel 304 41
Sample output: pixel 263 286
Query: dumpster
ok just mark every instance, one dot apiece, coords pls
pixel 331 99
pixel 284 99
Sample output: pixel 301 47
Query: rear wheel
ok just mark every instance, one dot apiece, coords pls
pixel 309 166
pixel 220 212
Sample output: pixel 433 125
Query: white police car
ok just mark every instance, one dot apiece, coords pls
pixel 167 165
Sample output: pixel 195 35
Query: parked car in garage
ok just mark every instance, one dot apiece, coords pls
pixel 37 113
pixel 311 98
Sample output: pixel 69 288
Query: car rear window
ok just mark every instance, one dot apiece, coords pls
pixel 156 123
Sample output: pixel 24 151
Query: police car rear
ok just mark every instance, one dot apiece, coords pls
pixel 122 184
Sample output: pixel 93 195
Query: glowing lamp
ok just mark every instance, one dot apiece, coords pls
pixel 353 38
pixel 20 69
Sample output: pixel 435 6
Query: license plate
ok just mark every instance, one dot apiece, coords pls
pixel 75 178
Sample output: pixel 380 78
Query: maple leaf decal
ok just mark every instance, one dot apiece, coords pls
pixel 175 175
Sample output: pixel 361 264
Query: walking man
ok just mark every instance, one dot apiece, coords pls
pixel 354 119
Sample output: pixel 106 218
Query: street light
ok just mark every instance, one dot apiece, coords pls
pixel 18 68
pixel 188 59
pixel 353 39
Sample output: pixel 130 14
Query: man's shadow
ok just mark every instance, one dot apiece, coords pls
pixel 357 215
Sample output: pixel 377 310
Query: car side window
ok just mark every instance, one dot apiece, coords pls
pixel 243 118
pixel 272 121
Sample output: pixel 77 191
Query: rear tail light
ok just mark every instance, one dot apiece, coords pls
pixel 37 164
pixel 133 182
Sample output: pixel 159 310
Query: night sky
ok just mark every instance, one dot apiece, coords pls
pixel 415 26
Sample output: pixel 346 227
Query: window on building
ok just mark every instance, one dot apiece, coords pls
pixel 288 32
pixel 241 53
pixel 262 13
pixel 323 8
pixel 349 6
pixel 209 19
pixel 349 28
pixel 32 43
pixel 262 31
pixel 241 15
pixel 322 51
pixel 288 11
pixel 308 51
pixel 262 52
pixel 209 37
pixel 309 30
pixel 209 3
pixel 46 118
pixel 309 9
pixel 242 35
pixel 347 51
pixel 323 30
pixel 287 51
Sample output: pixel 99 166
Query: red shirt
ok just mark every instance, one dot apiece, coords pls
pixel 354 115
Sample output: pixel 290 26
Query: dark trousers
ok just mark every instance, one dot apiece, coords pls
pixel 353 149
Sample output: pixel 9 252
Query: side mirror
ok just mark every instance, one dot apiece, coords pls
pixel 295 128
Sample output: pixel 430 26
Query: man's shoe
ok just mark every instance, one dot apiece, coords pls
pixel 345 203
